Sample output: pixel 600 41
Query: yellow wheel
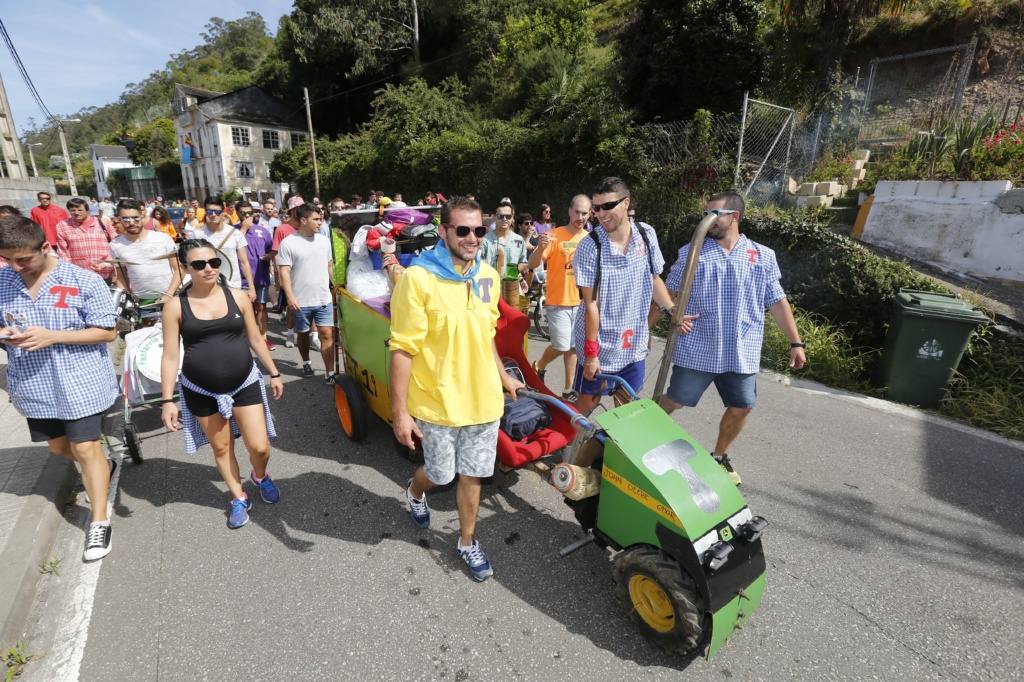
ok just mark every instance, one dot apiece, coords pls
pixel 660 598
pixel 351 407
pixel 651 603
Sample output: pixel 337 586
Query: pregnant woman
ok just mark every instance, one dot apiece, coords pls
pixel 221 388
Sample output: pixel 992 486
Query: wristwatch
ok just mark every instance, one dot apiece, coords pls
pixel 798 345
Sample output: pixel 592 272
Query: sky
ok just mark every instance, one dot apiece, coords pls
pixel 82 54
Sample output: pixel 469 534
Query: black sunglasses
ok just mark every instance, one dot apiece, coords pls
pixel 609 205
pixel 503 216
pixel 214 211
pixel 201 264
pixel 464 230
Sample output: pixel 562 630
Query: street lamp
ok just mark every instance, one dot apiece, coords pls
pixel 67 157
pixel 32 157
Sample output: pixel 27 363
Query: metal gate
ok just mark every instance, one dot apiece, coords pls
pixel 762 156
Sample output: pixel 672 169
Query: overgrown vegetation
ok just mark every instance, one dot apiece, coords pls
pixel 15 659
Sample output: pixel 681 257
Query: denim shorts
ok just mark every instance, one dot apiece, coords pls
pixel 633 373
pixel 321 316
pixel 688 385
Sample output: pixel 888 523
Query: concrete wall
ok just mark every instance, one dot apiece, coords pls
pixel 22 193
pixel 974 228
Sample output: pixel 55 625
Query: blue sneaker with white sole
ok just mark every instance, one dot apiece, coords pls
pixel 479 565
pixel 418 509
pixel 268 490
pixel 238 514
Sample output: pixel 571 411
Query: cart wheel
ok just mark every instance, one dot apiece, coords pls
pixel 414 456
pixel 351 406
pixel 132 443
pixel 660 598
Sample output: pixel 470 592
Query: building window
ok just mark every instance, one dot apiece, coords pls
pixel 239 136
pixel 271 139
pixel 298 138
pixel 244 169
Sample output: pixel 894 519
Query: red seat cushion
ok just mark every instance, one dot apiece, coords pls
pixel 511 334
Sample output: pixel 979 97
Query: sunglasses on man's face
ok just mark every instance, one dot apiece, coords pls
pixel 201 264
pixel 503 216
pixel 214 211
pixel 609 205
pixel 718 212
pixel 129 218
pixel 462 231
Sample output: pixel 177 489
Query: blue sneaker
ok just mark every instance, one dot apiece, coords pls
pixel 418 509
pixel 479 566
pixel 238 516
pixel 268 491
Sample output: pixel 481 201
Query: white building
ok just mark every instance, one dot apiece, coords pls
pixel 233 137
pixel 105 158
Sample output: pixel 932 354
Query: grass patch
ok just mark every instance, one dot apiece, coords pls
pixel 832 358
pixel 51 567
pixel 16 658
pixel 988 388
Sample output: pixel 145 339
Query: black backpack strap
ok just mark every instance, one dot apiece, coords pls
pixel 647 244
pixel 597 263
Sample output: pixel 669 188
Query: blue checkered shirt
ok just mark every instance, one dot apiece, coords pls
pixel 731 291
pixel 624 297
pixel 64 381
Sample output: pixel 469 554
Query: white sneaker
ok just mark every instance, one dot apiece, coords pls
pixel 314 341
pixel 289 339
pixel 97 541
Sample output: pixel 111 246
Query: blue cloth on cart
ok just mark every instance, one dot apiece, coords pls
pixel 194 436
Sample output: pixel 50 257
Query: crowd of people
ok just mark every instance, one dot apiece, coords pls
pixel 215 274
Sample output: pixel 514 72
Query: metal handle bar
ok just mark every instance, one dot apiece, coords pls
pixel 613 379
pixel 578 420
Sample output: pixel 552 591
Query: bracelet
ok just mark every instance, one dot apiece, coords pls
pixel 275 376
pixel 591 349
pixel 797 345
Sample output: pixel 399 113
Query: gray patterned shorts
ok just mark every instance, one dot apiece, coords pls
pixel 467 450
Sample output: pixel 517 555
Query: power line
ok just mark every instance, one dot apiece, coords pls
pixel 24 73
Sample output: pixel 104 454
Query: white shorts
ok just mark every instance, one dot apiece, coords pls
pixel 560 322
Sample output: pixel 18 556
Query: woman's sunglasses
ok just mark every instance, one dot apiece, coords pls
pixel 201 264
pixel 464 230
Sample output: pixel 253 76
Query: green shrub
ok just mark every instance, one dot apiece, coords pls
pixel 833 359
pixel 988 388
pixel 832 167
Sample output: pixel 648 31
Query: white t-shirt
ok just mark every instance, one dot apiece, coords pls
pixel 149 274
pixel 309 258
pixel 233 241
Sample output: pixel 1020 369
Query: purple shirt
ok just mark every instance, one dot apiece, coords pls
pixel 258 241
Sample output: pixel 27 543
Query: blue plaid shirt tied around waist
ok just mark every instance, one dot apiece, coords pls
pixel 194 436
pixel 731 292
pixel 64 381
pixel 624 298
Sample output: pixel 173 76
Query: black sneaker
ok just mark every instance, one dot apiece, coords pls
pixel 540 372
pixel 570 396
pixel 97 541
pixel 723 460
pixel 307 370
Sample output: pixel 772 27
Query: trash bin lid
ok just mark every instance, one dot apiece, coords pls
pixel 938 305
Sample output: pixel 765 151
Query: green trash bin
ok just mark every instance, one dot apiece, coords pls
pixel 926 341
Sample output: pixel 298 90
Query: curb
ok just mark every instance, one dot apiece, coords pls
pixel 31 542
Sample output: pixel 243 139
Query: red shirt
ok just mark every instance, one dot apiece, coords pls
pixel 47 218
pixel 86 244
pixel 283 230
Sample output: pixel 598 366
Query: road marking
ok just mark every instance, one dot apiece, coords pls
pixel 65 658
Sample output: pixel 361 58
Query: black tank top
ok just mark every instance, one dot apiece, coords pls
pixel 217 354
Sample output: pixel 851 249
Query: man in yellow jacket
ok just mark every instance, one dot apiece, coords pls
pixel 446 376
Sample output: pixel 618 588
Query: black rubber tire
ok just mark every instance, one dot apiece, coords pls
pixel 132 443
pixel 687 633
pixel 539 320
pixel 346 388
pixel 414 456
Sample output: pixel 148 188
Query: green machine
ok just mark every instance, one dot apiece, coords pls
pixel 689 566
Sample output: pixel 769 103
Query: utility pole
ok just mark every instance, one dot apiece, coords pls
pixel 67 157
pixel 312 143
pixel 32 157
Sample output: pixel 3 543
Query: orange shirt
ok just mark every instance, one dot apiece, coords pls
pixel 561 287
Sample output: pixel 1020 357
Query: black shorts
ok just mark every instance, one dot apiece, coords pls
pixel 80 430
pixel 203 406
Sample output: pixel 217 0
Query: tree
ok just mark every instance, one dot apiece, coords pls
pixel 154 143
pixel 678 57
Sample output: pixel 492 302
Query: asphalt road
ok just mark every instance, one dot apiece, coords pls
pixel 894 551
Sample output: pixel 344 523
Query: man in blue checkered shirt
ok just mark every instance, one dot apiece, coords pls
pixel 611 332
pixel 56 322
pixel 723 326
